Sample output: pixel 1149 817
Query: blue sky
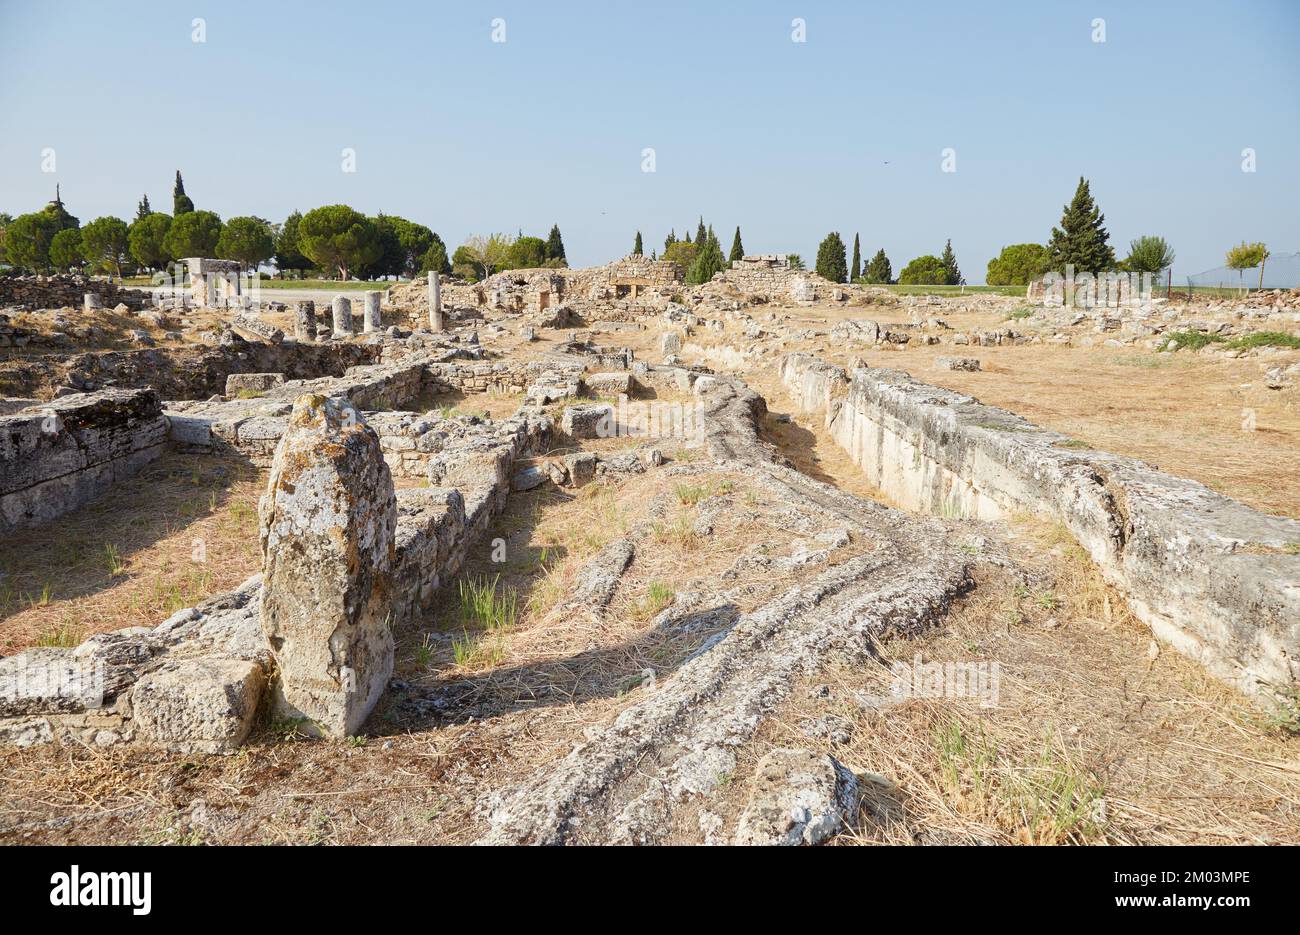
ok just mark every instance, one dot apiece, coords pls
pixel 789 140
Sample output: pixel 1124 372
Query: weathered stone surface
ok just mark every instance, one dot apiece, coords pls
pixel 198 705
pixel 371 322
pixel 57 456
pixel 327 532
pixel 798 797
pixel 304 321
pixel 957 363
pixel 670 343
pixel 247 383
pixel 528 478
pixel 581 466
pixel 342 316
pixel 1210 576
pixel 588 421
pixel 609 384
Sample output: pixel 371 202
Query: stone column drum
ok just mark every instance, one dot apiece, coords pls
pixel 371 321
pixel 328 523
pixel 436 320
pixel 304 321
pixel 342 315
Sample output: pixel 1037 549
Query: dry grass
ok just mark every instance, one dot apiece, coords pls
pixel 183 529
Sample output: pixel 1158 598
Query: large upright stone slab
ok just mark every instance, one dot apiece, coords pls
pixel 327 532
pixel 342 315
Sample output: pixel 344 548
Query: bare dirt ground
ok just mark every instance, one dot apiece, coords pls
pixel 182 529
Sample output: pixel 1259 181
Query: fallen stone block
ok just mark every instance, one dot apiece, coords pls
pixel 252 383
pixel 581 467
pixel 957 363
pixel 798 797
pixel 589 421
pixel 609 384
pixel 198 705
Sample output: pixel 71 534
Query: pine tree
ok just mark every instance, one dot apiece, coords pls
pixel 701 235
pixel 181 203
pixel 555 245
pixel 855 271
pixel 737 248
pixel 670 239
pixel 879 269
pixel 142 210
pixel 830 258
pixel 951 272
pixel 636 247
pixel 1082 239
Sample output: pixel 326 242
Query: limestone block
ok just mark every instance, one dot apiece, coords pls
pixel 588 421
pixel 203 705
pixel 327 534
pixel 609 384
pixel 957 363
pixel 249 383
pixel 798 797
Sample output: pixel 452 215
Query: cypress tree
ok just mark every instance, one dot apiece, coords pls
pixel 670 239
pixel 737 248
pixel 708 261
pixel 855 271
pixel 636 247
pixel 555 244
pixel 142 210
pixel 951 272
pixel 701 236
pixel 830 258
pixel 879 269
pixel 181 203
pixel 1082 239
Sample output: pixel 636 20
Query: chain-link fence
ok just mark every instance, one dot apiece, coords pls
pixel 1281 271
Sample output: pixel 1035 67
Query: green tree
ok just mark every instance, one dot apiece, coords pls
pixel 181 203
pixel 1148 254
pixel 681 252
pixel 555 246
pixel 1082 240
pixel 194 233
pixel 855 269
pixel 142 210
pixel 145 240
pixel 104 244
pixel 831 261
pixel 466 265
pixel 670 239
pixel 390 258
pixel 65 250
pixel 708 260
pixel 526 253
pixel 1018 265
pixel 59 213
pixel 925 270
pixel 28 238
pixel 636 246
pixel 435 258
pixel 794 261
pixel 288 252
pixel 248 240
pixel 878 269
pixel 951 272
pixel 337 238
pixel 416 241
pixel 737 248
pixel 1247 256
pixel 490 253
pixel 701 235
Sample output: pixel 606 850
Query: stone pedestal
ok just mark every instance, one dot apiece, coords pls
pixel 342 315
pixel 304 321
pixel 436 320
pixel 90 301
pixel 213 283
pixel 371 322
pixel 327 522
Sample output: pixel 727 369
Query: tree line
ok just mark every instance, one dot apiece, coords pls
pixel 333 240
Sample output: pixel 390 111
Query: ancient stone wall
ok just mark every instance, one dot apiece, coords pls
pixel 58 455
pixel 1210 576
pixel 67 291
